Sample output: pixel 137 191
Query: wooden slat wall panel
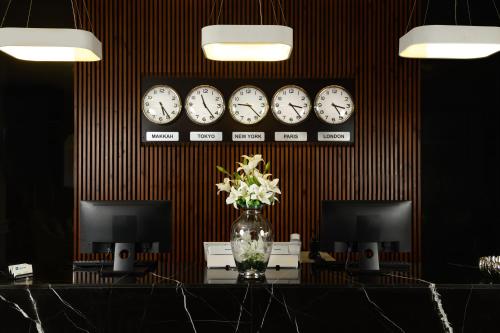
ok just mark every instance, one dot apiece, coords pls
pixel 333 39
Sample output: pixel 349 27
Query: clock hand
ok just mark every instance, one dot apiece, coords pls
pixel 250 106
pixel 294 109
pixel 206 107
pixel 336 108
pixel 164 111
pixel 293 105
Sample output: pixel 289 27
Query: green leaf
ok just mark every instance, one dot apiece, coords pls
pixel 267 167
pixel 221 169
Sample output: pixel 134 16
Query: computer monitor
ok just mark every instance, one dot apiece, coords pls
pixel 124 228
pixel 366 226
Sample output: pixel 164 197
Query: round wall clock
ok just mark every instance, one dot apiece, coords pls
pixel 291 105
pixel 204 105
pixel 161 104
pixel 333 105
pixel 248 105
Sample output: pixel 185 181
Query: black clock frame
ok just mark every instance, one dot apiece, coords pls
pixel 226 124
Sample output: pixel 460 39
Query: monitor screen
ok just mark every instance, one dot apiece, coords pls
pixel 385 222
pixel 104 223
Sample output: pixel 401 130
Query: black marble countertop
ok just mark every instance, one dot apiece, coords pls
pixel 187 297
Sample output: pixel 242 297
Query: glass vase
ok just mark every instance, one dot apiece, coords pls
pixel 251 243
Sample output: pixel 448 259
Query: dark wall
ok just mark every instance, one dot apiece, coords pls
pixel 333 39
pixel 460 150
pixel 36 125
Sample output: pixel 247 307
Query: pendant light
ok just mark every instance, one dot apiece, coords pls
pixel 449 41
pixel 50 44
pixel 248 42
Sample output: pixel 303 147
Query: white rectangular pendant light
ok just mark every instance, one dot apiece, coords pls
pixel 50 44
pixel 247 42
pixel 450 42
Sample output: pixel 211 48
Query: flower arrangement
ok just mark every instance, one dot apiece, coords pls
pixel 249 187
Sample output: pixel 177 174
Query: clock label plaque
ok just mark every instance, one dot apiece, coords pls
pixel 205 110
pixel 334 136
pixel 162 136
pixel 249 136
pixel 205 136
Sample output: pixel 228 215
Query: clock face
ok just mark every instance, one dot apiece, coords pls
pixel 248 105
pixel 161 104
pixel 291 105
pixel 333 105
pixel 204 105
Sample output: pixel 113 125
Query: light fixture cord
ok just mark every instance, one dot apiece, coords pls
pixel 260 11
pixel 211 11
pixel 5 14
pixel 73 9
pixel 220 10
pixel 426 10
pixel 78 13
pixel 456 22
pixel 411 15
pixel 282 13
pixel 274 12
pixel 468 12
pixel 496 8
pixel 29 14
pixel 88 16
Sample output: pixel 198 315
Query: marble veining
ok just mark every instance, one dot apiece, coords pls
pixel 469 295
pixel 78 312
pixel 241 308
pixel 16 307
pixel 436 298
pixel 267 307
pixel 37 320
pixel 442 314
pixel 380 311
pixel 180 286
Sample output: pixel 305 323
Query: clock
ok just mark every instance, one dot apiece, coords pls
pixel 248 105
pixel 333 105
pixel 204 104
pixel 291 105
pixel 161 104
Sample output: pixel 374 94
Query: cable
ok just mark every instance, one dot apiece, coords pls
pixel 73 9
pixel 88 16
pixel 468 12
pixel 78 14
pixel 496 9
pixel 260 11
pixel 274 12
pixel 411 15
pixel 427 9
pixel 456 22
pixel 5 14
pixel 212 11
pixel 282 14
pixel 29 14
pixel 220 10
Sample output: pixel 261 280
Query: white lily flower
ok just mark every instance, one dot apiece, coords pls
pixel 253 162
pixel 225 186
pixel 234 195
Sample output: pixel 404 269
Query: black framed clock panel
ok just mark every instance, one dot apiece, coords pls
pixel 240 110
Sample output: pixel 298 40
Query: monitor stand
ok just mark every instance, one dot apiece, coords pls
pixel 124 257
pixel 124 263
pixel 368 258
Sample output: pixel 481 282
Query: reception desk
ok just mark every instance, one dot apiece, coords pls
pixel 190 298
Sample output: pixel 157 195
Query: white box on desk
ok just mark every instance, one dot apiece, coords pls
pixel 219 254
